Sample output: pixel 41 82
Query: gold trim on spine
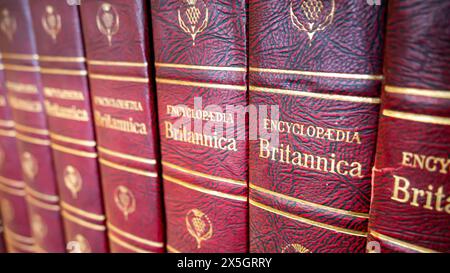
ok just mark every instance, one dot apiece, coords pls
pixel 118 78
pixel 316 95
pixel 87 143
pixel 13 245
pixel 126 156
pixel 90 215
pixel 1 66
pixel 204 175
pixel 42 196
pixel 202 67
pixel 71 151
pixel 33 140
pixel 205 190
pixel 319 74
pixel 133 237
pixel 30 199
pixel 66 72
pixel 202 84
pixel 417 117
pixel 82 222
pixel 21 68
pixel 308 221
pixel 171 249
pixel 401 243
pixel 61 59
pixel 12 183
pixel 7 123
pixel 117 63
pixel 29 129
pixel 310 204
pixel 16 192
pixel 126 169
pixel 19 238
pixel 16 56
pixel 7 133
pixel 126 245
pixel 439 94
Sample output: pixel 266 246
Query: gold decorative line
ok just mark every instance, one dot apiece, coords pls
pixel 117 63
pixel 17 237
pixel 417 117
pixel 171 249
pixel 205 190
pixel 118 78
pixel 2 67
pixel 401 243
pixel 19 246
pixel 87 143
pixel 12 183
pixel 21 68
pixel 126 245
pixel 316 95
pixel 61 59
pixel 16 56
pixel 29 129
pixel 71 151
pixel 82 222
pixel 7 133
pixel 126 169
pixel 7 123
pixel 126 156
pixel 308 221
pixel 90 215
pixel 16 192
pixel 41 204
pixel 204 175
pixel 133 237
pixel 311 204
pixel 42 196
pixel 202 84
pixel 440 94
pixel 33 140
pixel 319 74
pixel 201 67
pixel 66 72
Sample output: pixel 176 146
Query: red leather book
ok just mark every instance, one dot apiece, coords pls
pixel 117 47
pixel 57 28
pixel 13 206
pixel 411 186
pixel 201 69
pixel 25 96
pixel 316 65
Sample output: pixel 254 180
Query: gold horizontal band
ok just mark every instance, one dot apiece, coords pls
pixel 19 246
pixel 171 249
pixel 21 68
pixel 19 238
pixel 12 183
pixel 439 94
pixel 1 66
pixel 61 59
pixel 205 190
pixel 348 76
pixel 29 129
pixel 33 140
pixel 30 199
pixel 417 117
pixel 310 204
pixel 7 123
pixel 202 84
pixel 16 192
pixel 201 67
pixel 133 237
pixel 17 56
pixel 316 95
pixel 118 78
pixel 41 196
pixel 126 156
pixel 308 221
pixel 71 151
pixel 117 63
pixel 90 215
pixel 7 133
pixel 204 175
pixel 65 72
pixel 126 245
pixel 87 143
pixel 82 222
pixel 126 169
pixel 401 243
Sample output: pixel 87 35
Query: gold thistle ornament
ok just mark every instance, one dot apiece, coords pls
pixel 51 22
pixel 295 248
pixel 29 165
pixel 38 227
pixel 8 24
pixel 108 21
pixel 83 244
pixel 193 17
pixel 72 180
pixel 199 226
pixel 7 211
pixel 125 201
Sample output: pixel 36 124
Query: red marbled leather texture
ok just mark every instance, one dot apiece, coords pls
pixel 68 43
pixel 48 232
pixel 417 55
pixel 317 211
pixel 142 230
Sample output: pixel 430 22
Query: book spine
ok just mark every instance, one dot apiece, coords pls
pixel 13 206
pixel 201 71
pixel 57 28
pixel 316 67
pixel 410 203
pixel 117 48
pixel 25 97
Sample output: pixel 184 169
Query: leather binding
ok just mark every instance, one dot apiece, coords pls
pixel 410 204
pixel 117 47
pixel 317 67
pixel 201 54
pixel 13 206
pixel 25 96
pixel 57 28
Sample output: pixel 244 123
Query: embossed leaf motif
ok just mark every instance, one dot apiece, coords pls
pixel 193 16
pixel 199 226
pixel 108 21
pixel 72 180
pixel 125 201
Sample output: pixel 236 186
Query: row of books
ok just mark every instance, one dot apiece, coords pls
pixel 225 126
